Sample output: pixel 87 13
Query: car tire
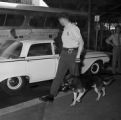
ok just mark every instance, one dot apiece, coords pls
pixel 14 85
pixel 96 68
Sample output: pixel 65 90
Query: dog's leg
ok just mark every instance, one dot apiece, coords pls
pixel 103 90
pixel 98 93
pixel 75 97
pixel 98 97
pixel 81 93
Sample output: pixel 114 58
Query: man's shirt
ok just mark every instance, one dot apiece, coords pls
pixel 115 39
pixel 71 36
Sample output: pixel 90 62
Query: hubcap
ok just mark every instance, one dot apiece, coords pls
pixel 14 83
pixel 95 68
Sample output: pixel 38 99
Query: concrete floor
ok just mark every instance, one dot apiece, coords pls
pixel 108 108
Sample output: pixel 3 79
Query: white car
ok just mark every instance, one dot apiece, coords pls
pixel 31 61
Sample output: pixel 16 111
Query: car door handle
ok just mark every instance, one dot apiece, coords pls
pixel 27 60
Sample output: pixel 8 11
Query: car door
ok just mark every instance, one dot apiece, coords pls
pixel 41 63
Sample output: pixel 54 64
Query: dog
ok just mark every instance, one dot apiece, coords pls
pixel 81 85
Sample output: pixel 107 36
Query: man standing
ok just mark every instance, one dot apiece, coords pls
pixel 115 41
pixel 72 48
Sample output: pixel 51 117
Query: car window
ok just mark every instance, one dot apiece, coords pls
pixel 2 19
pixel 11 19
pixel 13 51
pixel 40 49
pixel 51 22
pixel 14 20
pixel 5 44
pixel 37 21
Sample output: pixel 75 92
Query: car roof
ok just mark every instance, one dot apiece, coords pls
pixel 35 41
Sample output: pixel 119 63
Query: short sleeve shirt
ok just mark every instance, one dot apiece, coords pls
pixel 71 36
pixel 116 39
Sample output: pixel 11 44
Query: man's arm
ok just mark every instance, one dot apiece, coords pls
pixel 80 48
pixel 77 35
pixel 109 40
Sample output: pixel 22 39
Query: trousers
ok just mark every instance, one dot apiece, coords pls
pixel 116 61
pixel 66 62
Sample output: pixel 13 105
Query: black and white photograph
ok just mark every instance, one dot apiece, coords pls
pixel 60 59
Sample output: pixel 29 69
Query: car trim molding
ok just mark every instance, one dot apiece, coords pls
pixel 96 57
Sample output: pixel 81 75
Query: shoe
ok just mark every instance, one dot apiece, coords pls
pixel 47 98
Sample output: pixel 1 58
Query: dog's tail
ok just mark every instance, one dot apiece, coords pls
pixel 108 82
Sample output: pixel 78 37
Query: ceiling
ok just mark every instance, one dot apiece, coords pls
pixel 108 9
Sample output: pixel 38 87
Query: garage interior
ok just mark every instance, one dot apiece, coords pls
pixel 103 16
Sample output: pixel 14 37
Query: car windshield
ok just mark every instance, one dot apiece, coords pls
pixel 10 49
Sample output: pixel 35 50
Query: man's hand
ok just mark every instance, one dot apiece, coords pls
pixel 77 60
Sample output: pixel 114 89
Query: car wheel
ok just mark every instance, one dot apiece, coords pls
pixel 13 85
pixel 96 68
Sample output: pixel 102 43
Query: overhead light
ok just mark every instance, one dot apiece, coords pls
pixel 8 4
pixel 39 3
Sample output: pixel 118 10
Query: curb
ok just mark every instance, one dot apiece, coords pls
pixel 32 110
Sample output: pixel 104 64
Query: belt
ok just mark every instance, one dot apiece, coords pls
pixel 70 50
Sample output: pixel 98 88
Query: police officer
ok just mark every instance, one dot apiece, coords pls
pixel 70 54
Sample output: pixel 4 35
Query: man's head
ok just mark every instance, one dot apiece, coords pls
pixel 118 29
pixel 13 32
pixel 63 19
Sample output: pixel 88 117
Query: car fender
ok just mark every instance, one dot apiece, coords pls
pixel 19 75
pixel 88 62
pixel 12 68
